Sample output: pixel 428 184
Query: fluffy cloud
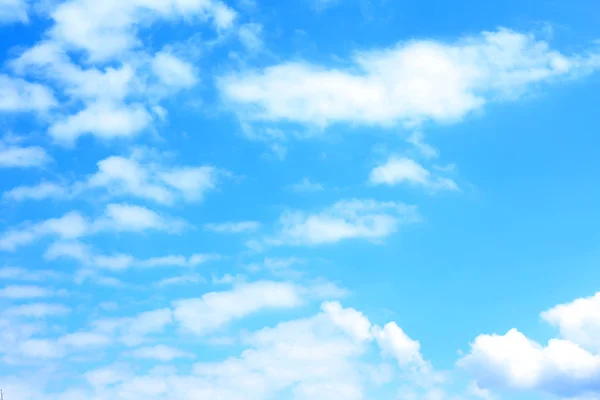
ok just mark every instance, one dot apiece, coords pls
pixel 398 170
pixel 108 30
pixel 106 121
pixel 72 225
pixel 18 292
pixel 410 83
pixel 160 353
pixel 37 310
pixel 135 330
pixel 216 309
pixel 568 367
pixel 13 11
pixel 578 321
pixel 117 262
pixel 139 175
pixel 12 156
pixel 347 219
pixel 173 72
pixel 18 95
pixel 41 191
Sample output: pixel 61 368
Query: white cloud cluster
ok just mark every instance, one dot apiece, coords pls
pixel 134 176
pixel 15 156
pixel 567 367
pixel 119 262
pixel 233 227
pixel 72 225
pixel 410 83
pixel 13 11
pixel 346 219
pixel 18 95
pixel 400 170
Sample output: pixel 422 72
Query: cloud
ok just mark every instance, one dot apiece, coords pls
pixel 18 292
pixel 233 227
pixel 160 353
pixel 399 170
pixel 23 157
pixel 18 95
pixel 103 120
pixel 37 310
pixel 119 261
pixel 133 331
pixel 346 219
pixel 108 31
pixel 578 321
pixel 13 11
pixel 42 191
pixel 173 72
pixel 306 186
pixel 137 176
pixel 216 309
pixel 250 36
pixel 60 347
pixel 566 367
pixel 408 84
pixel 22 274
pixel 132 218
pixel 70 226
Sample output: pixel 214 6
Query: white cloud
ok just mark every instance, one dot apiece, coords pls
pixel 13 11
pixel 398 170
pixel 133 218
pixel 103 120
pixel 134 330
pixel 233 227
pixel 19 292
pixel 172 71
pixel 250 36
pixel 512 360
pixel 410 83
pixel 70 226
pixel 160 353
pixel 42 191
pixel 108 29
pixel 135 176
pixel 392 340
pixel 60 347
pixel 18 95
pixel 21 274
pixel 417 139
pixel 306 186
pixel 346 219
pixel 216 309
pixel 578 321
pixel 37 310
pixel 23 157
pixel 567 367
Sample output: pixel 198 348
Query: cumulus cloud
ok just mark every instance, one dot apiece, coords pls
pixel 214 310
pixel 72 225
pixel 160 353
pixel 306 186
pixel 413 82
pixel 106 121
pixel 41 191
pixel 12 11
pixel 346 219
pixel 399 170
pixel 37 310
pixel 18 95
pixel 18 292
pixel 12 156
pixel 565 367
pixel 172 71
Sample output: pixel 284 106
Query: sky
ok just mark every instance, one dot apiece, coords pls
pixel 309 199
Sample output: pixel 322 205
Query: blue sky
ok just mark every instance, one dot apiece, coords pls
pixel 313 199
